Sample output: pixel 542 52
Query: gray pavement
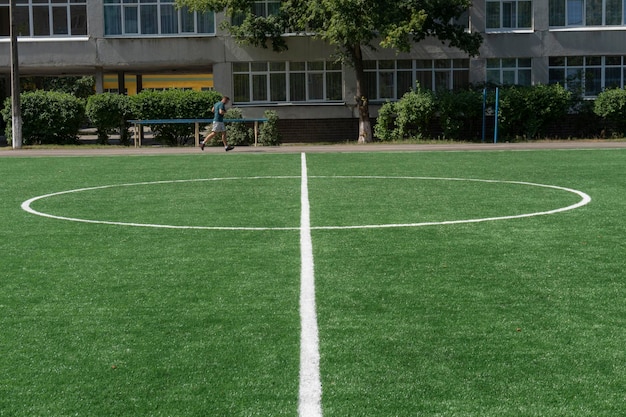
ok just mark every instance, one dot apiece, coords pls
pixel 313 148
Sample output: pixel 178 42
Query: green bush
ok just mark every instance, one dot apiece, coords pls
pixel 412 116
pixel 384 128
pixel 415 110
pixel 268 131
pixel 110 113
pixel 611 106
pixel 527 111
pixel 458 111
pixel 174 104
pixel 48 117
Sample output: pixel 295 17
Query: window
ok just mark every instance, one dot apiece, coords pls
pixel 391 79
pixel 45 18
pixel 588 75
pixel 565 13
pixel 266 7
pixel 154 17
pixel 263 82
pixel 509 71
pixel 513 14
pixel 262 8
pixel 440 74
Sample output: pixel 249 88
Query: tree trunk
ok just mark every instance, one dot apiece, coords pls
pixel 362 102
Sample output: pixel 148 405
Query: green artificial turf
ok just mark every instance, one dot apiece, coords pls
pixel 518 317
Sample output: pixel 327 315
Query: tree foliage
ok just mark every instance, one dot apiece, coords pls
pixel 81 87
pixel 349 26
pixel 346 23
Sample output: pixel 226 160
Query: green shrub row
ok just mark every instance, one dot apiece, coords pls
pixel 524 112
pixel 50 117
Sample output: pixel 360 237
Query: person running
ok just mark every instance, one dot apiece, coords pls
pixel 219 110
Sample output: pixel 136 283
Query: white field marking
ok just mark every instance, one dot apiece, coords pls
pixel 26 205
pixel 585 199
pixel 310 396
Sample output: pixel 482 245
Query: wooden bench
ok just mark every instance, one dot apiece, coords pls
pixel 138 125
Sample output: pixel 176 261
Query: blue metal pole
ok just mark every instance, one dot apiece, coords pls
pixel 495 129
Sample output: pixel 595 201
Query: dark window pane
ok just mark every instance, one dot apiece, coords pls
pixel 241 88
pixel 41 21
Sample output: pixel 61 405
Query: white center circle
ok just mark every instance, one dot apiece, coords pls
pixel 584 199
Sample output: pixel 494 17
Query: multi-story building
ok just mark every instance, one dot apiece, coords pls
pixel 580 43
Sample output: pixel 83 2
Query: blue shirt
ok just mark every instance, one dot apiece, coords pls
pixel 218 117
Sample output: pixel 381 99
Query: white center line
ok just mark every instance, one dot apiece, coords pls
pixel 310 397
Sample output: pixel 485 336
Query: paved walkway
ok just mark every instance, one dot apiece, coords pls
pixel 292 148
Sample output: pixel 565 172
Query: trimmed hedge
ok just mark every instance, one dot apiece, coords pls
pixel 526 112
pixel 174 104
pixel 110 113
pixel 48 117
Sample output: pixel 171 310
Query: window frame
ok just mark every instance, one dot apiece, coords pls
pixel 264 82
pixel 496 15
pixel 580 73
pixel 47 18
pixel 565 14
pixel 154 18
pixel 432 74
pixel 514 67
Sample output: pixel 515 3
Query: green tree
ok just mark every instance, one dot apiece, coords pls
pixel 81 87
pixel 350 26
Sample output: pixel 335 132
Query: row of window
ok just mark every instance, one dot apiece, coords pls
pixel 161 17
pixel 389 79
pixel 319 81
pixel 588 75
pixel 322 81
pixel 587 12
pixel 276 82
pixel 518 14
pixel 154 17
pixel 45 18
pixel 121 17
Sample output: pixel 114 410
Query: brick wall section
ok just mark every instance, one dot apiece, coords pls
pixel 344 130
pixel 318 130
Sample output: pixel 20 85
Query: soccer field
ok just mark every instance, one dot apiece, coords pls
pixel 402 284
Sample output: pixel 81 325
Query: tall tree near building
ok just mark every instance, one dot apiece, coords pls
pixel 350 26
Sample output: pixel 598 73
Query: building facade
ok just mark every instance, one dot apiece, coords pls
pixel 579 43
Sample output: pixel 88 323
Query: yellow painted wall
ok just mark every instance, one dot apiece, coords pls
pixel 160 81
